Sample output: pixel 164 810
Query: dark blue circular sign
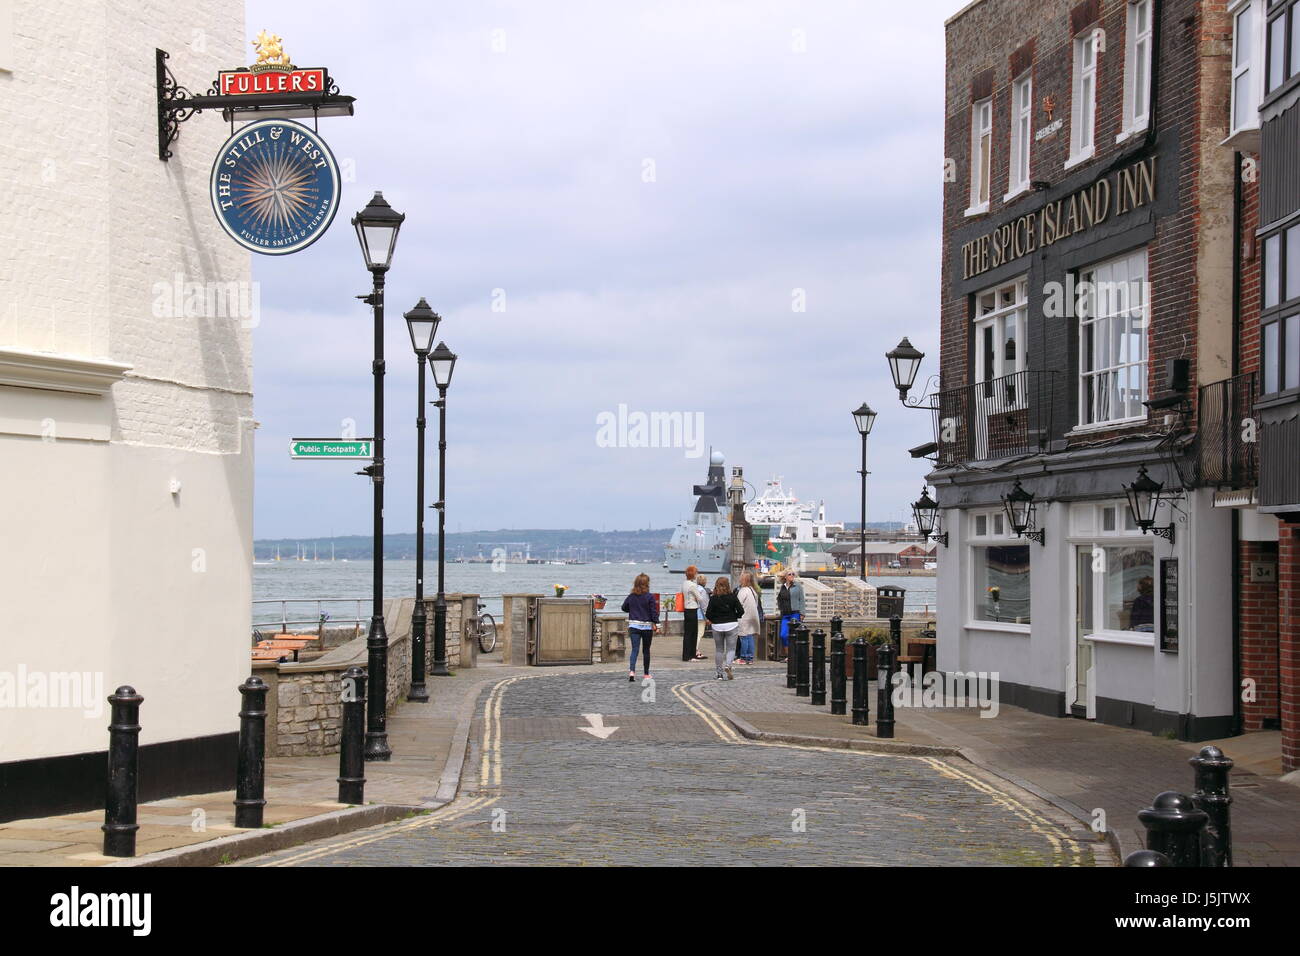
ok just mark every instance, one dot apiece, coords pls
pixel 275 187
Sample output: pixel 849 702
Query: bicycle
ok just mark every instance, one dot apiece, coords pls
pixel 482 629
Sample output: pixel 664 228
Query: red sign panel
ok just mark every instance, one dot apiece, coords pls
pixel 248 83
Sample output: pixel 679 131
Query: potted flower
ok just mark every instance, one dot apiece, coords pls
pixel 560 589
pixel 874 637
pixel 599 601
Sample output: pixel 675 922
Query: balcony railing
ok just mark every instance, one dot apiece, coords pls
pixel 1001 418
pixel 1227 446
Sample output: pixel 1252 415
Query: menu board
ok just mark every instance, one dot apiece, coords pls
pixel 1169 605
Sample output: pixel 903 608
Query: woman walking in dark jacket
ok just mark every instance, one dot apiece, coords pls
pixel 723 614
pixel 642 622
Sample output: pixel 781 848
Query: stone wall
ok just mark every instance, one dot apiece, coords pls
pixel 304 710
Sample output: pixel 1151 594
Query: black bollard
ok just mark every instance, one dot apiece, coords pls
pixel 819 668
pixel 861 713
pixel 801 644
pixel 1212 796
pixel 1146 858
pixel 1174 828
pixel 123 772
pixel 352 768
pixel 791 657
pixel 884 697
pixel 838 703
pixel 250 775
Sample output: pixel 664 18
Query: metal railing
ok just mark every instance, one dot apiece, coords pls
pixel 1000 418
pixel 321 619
pixel 1225 457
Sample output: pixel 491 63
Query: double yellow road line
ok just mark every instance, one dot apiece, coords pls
pixel 490 780
pixel 1067 849
pixel 489 777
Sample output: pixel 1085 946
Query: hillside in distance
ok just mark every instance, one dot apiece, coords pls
pixel 548 543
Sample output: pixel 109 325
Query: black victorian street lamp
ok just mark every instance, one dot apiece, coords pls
pixel 377 226
pixel 904 360
pixel 926 511
pixel 864 418
pixel 422 323
pixel 443 362
pixel 1021 513
pixel 1144 497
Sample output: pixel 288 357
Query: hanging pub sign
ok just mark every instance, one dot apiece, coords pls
pixel 271 87
pixel 275 187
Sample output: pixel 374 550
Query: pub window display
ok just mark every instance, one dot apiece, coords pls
pixel 1001 575
pixel 1118 589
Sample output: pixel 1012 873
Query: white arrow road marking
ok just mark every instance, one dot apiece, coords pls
pixel 597 728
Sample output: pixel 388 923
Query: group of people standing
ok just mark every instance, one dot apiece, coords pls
pixel 735 617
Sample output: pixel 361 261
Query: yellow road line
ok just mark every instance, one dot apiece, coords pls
pixel 1036 823
pixel 490 774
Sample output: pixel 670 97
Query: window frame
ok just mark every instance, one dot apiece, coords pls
pixel 1278 315
pixel 1287 11
pixel 996 320
pixel 992 538
pixel 1086 531
pixel 1078 151
pixel 1245 120
pixel 981 166
pixel 1134 123
pixel 1086 409
pixel 1022 135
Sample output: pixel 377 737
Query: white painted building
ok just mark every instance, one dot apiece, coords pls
pixel 126 453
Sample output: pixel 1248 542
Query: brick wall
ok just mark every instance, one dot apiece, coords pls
pixel 1259 617
pixel 1288 643
pixel 1000 35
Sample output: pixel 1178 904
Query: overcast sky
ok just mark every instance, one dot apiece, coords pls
pixel 791 146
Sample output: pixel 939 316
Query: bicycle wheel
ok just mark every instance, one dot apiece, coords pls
pixel 487 633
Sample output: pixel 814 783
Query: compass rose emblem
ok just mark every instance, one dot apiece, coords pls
pixel 275 187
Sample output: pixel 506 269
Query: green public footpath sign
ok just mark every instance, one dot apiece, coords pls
pixel 335 448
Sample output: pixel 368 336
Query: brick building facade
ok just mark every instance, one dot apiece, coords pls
pixel 1106 190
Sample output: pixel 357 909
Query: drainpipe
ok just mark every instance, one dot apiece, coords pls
pixel 1238 718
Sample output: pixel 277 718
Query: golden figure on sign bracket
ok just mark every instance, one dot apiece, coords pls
pixel 270 52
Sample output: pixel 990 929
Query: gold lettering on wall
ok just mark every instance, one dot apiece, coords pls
pixel 1128 189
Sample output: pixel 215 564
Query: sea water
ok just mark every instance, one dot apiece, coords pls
pixel 304 582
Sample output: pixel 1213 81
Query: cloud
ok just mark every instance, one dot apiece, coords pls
pixel 520 160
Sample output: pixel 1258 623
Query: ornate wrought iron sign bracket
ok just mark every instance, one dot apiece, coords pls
pixel 268 90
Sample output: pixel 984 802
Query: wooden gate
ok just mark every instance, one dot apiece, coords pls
pixel 564 631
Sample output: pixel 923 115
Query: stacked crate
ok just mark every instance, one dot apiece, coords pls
pixel 817 600
pixel 850 598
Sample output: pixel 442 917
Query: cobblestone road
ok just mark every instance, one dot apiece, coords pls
pixel 674 784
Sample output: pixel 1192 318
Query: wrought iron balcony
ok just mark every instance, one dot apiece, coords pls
pixel 1227 433
pixel 1003 417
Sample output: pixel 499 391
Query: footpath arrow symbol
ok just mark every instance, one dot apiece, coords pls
pixel 597 728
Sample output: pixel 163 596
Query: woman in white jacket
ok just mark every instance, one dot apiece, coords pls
pixel 750 623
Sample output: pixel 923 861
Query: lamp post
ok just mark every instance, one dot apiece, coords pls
pixel 377 226
pixel 422 323
pixel 443 362
pixel 864 418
